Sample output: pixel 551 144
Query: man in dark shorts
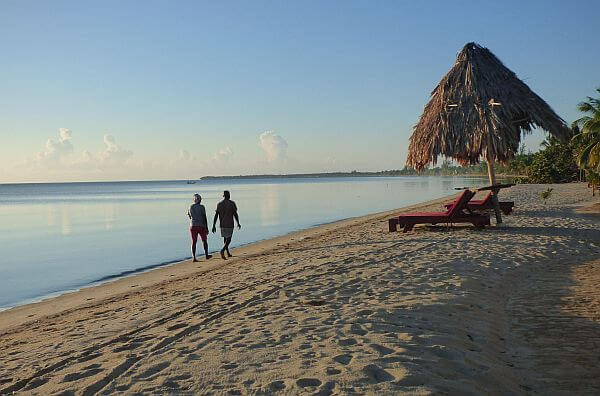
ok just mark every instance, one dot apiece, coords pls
pixel 198 225
pixel 226 212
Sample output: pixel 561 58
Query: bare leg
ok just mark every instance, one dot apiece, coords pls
pixel 227 242
pixel 223 250
pixel 194 250
pixel 226 247
pixel 205 244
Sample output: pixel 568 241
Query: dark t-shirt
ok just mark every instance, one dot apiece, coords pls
pixel 226 209
pixel 197 215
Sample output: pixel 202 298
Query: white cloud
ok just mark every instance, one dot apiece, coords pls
pixel 190 165
pixel 59 159
pixel 331 162
pixel 274 146
pixel 65 134
pixel 113 155
pixel 223 155
pixel 184 155
pixel 56 152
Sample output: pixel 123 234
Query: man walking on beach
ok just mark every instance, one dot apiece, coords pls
pixel 226 212
pixel 198 225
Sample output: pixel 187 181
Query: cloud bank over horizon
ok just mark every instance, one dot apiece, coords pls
pixel 62 160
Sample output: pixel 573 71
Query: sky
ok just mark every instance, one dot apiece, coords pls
pixel 148 90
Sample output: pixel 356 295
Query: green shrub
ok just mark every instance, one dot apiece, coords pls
pixel 554 164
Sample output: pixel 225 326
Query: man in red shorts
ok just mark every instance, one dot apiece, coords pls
pixel 198 225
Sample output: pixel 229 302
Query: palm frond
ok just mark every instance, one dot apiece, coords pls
pixel 584 107
pixel 583 159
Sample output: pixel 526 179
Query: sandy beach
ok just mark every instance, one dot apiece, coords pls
pixel 343 308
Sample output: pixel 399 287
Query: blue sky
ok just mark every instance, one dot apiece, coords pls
pixel 157 89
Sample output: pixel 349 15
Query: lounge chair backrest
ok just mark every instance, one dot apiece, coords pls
pixel 460 203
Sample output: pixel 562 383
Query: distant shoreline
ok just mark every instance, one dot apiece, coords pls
pixel 339 174
pixel 272 176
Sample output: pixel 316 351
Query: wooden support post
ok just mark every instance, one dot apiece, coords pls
pixel 492 175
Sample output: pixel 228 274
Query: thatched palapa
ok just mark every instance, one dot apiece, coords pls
pixel 479 109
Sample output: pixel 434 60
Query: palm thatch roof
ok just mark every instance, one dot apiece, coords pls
pixel 479 109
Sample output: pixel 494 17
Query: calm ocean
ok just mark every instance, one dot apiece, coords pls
pixel 64 236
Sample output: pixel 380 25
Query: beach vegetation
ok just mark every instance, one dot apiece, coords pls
pixel 554 164
pixel 587 137
pixel 546 195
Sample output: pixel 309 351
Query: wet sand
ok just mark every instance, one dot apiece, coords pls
pixel 339 309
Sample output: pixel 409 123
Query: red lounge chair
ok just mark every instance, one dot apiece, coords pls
pixel 486 203
pixel 455 214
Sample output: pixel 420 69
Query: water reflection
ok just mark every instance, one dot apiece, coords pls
pixel 65 227
pixel 270 209
pixel 447 184
pixel 110 214
pixel 119 227
pixel 50 215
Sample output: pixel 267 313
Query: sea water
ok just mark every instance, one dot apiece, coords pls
pixel 57 237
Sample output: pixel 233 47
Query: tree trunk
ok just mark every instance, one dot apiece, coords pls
pixel 492 175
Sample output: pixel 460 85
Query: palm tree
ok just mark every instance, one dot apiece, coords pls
pixel 589 157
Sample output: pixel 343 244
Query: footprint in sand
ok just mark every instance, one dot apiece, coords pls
pixel 157 368
pixel 327 389
pixel 36 383
pixel 315 303
pixel 181 377
pixel 77 376
pixel 177 326
pixel 381 349
pixel 276 386
pixel 343 359
pixel 355 328
pixel 347 342
pixel 377 374
pixel 306 382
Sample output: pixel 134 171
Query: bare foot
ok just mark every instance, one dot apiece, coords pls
pixel 208 256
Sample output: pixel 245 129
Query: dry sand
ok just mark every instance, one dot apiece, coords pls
pixel 339 309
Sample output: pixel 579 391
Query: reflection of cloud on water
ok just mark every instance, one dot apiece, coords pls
pixel 51 215
pixel 270 209
pixel 66 227
pixel 110 214
pixel 59 216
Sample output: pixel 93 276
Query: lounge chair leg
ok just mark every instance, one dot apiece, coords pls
pixel 393 225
